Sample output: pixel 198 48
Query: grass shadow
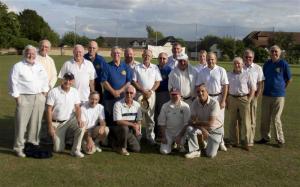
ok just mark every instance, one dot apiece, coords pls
pixel 6 133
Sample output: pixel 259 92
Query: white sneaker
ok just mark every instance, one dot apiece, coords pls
pixel 222 147
pixel 77 154
pixel 98 149
pixel 204 144
pixel 193 154
pixel 20 154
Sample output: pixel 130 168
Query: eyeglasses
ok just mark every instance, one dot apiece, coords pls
pixel 129 93
pixel 162 58
pixel 274 51
pixel 248 57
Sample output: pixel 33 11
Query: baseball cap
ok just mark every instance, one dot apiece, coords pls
pixel 182 56
pixel 69 76
pixel 174 91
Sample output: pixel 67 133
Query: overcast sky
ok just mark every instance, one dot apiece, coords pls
pixel 128 18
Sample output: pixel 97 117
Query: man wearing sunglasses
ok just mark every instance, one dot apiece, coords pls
pixel 127 116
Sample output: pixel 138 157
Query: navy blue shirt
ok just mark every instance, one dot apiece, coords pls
pixel 276 75
pixel 98 63
pixel 116 76
pixel 164 71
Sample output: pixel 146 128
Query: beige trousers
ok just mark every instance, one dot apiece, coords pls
pixel 60 135
pixel 271 110
pixel 148 117
pixel 253 110
pixel 239 109
pixel 29 114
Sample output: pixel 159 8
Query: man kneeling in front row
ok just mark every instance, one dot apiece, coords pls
pixel 173 120
pixel 205 125
pixel 62 101
pixel 126 130
pixel 93 117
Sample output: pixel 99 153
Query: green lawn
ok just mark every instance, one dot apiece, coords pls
pixel 264 165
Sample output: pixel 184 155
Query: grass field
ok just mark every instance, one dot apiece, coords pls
pixel 264 165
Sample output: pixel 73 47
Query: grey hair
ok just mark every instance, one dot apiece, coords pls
pixel 248 51
pixel 130 86
pixel 42 41
pixel 28 47
pixel 239 59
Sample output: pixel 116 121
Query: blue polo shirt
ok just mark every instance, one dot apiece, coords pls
pixel 164 71
pixel 116 76
pixel 276 75
pixel 98 63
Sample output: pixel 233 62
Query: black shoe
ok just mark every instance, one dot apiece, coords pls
pixel 262 141
pixel 280 145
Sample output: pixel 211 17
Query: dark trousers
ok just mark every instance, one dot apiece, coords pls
pixel 123 137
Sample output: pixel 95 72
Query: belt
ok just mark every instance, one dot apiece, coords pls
pixel 186 98
pixel 58 121
pixel 239 95
pixel 214 94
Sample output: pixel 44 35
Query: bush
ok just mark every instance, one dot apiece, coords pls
pixel 21 43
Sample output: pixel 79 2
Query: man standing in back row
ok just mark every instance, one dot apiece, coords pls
pixel 98 62
pixel 84 73
pixel 277 78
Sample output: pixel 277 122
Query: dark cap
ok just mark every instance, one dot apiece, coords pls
pixel 69 76
pixel 174 91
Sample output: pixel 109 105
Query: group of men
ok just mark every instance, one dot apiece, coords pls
pixel 99 103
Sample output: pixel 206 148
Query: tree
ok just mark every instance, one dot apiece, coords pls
pixel 9 26
pixel 261 55
pixel 71 38
pixel 282 39
pixel 152 34
pixel 101 41
pixel 35 28
pixel 208 41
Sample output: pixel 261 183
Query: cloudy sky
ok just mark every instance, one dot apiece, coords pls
pixel 188 19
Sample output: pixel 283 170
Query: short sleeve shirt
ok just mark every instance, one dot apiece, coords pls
pixel 98 63
pixel 256 72
pixel 240 83
pixel 116 76
pixel 214 79
pixel 63 102
pixel 83 74
pixel 92 115
pixel 122 111
pixel 210 109
pixel 146 76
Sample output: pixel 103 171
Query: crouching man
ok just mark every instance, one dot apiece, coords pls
pixel 64 114
pixel 92 114
pixel 126 131
pixel 206 126
pixel 173 120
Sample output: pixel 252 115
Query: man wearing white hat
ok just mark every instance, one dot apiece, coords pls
pixel 183 77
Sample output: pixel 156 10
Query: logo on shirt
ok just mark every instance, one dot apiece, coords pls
pixel 123 72
pixel 277 69
pixel 98 66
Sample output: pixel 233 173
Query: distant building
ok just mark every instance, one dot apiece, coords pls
pixel 262 38
pixel 125 42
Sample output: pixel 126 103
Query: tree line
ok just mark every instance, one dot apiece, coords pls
pixel 27 27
